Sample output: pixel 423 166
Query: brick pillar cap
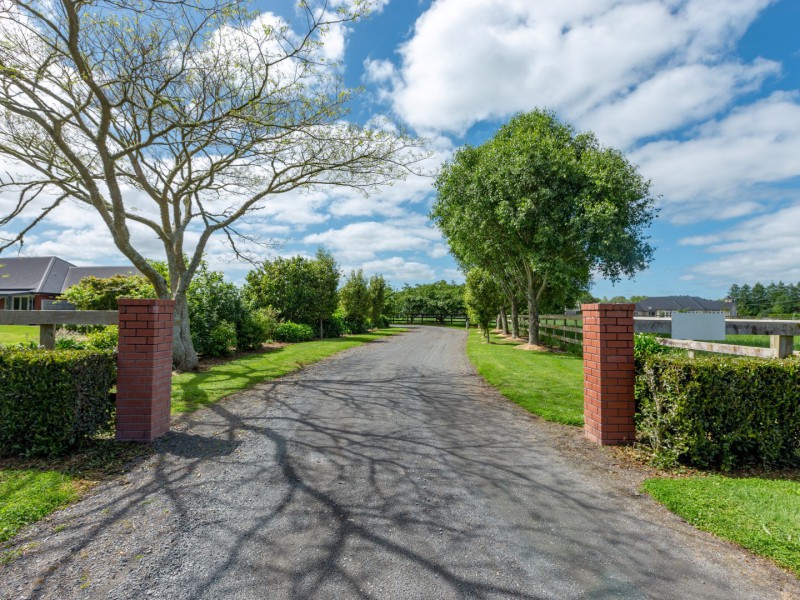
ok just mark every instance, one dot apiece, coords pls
pixel 608 306
pixel 144 302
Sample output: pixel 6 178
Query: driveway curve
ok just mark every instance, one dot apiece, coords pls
pixel 388 471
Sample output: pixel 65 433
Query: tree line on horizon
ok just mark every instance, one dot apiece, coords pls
pixel 758 300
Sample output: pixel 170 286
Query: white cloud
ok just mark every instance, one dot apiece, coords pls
pixel 725 168
pixel 763 249
pixel 470 60
pixel 363 241
pixel 397 269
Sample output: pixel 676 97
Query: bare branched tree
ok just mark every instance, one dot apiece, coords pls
pixel 178 116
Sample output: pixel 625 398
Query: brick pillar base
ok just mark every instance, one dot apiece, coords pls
pixel 608 373
pixel 144 369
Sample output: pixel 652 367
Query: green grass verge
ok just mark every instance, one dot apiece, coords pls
pixel 191 391
pixel 547 384
pixel 27 496
pixel 14 334
pixel 762 515
pixel 759 341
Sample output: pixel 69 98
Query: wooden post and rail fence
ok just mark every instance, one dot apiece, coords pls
pixel 606 331
pixel 144 358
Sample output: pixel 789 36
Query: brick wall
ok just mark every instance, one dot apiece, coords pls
pixel 608 373
pixel 144 369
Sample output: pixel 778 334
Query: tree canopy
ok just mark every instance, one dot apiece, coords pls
pixel 175 121
pixel 542 208
pixel 482 297
pixel 302 290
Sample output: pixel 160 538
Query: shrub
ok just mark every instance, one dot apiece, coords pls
pixel 256 327
pixel 720 411
pixel 52 399
pixel 70 343
pixel 293 332
pixel 334 326
pixel 105 339
pixel 356 326
pixel 220 340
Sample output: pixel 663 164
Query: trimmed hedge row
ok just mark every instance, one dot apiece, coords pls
pixel 719 411
pixel 52 399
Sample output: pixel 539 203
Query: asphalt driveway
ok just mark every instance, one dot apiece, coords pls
pixel 388 471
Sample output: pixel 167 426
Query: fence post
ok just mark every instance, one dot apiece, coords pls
pixel 608 373
pixel 144 369
pixel 782 345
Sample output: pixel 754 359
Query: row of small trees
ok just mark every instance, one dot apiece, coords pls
pixel 775 299
pixel 539 209
pixel 278 295
pixel 439 300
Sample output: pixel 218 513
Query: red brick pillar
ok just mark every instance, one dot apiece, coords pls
pixel 144 368
pixel 608 373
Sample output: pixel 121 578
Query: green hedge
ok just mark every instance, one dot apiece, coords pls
pixel 52 399
pixel 719 411
pixel 293 332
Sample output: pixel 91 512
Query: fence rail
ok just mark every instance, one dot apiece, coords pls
pixel 423 319
pixel 48 319
pixel 568 329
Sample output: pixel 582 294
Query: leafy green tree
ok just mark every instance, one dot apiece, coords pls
pixel 206 109
pixel 302 290
pixel 483 298
pixel 549 205
pixel 95 293
pixel 325 285
pixel 355 301
pixel 439 299
pixel 377 296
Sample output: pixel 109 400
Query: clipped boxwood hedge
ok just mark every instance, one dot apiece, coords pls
pixel 720 411
pixel 52 399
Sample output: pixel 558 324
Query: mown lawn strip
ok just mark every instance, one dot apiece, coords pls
pixel 762 515
pixel 14 334
pixel 548 384
pixel 27 496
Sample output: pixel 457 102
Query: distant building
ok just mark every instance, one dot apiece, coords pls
pixel 26 281
pixel 664 306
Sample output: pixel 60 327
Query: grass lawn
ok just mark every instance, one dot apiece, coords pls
pixel 13 334
pixel 32 488
pixel 27 496
pixel 548 384
pixel 191 391
pixel 762 515
pixel 759 341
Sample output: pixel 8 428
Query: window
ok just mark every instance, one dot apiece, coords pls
pixel 21 303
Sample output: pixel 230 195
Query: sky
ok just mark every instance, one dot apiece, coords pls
pixel 702 95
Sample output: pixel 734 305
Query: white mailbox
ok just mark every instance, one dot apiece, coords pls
pixel 698 326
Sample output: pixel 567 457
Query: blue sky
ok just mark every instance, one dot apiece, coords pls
pixel 704 95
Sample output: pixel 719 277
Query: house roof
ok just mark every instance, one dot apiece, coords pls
pixel 675 303
pixel 48 274
pixel 33 274
pixel 75 274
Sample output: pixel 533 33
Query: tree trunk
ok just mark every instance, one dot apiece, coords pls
pixel 184 358
pixel 321 330
pixel 504 319
pixel 498 322
pixel 533 309
pixel 514 318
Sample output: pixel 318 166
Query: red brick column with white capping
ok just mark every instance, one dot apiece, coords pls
pixel 608 373
pixel 144 369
